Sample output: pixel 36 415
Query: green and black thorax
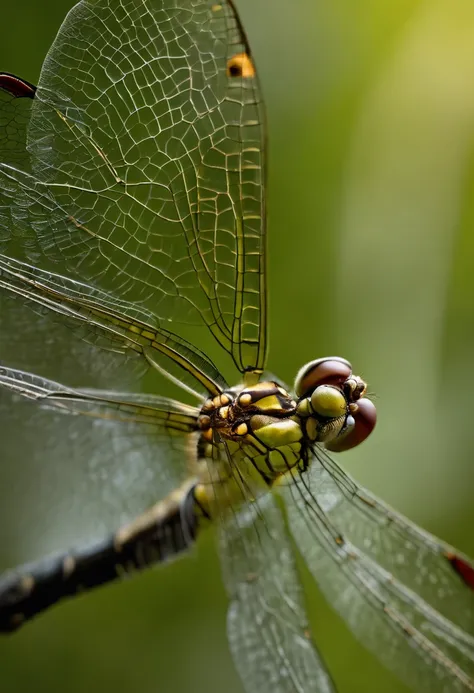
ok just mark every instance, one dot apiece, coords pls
pixel 263 432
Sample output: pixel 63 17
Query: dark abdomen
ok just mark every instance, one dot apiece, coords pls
pixel 163 532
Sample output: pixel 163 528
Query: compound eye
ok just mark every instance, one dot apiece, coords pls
pixel 332 370
pixel 365 418
pixel 328 401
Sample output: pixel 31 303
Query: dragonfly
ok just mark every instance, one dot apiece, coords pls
pixel 133 226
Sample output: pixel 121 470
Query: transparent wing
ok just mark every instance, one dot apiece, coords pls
pixel 146 171
pixel 267 624
pixel 79 477
pixel 398 588
pixel 93 316
pixel 164 413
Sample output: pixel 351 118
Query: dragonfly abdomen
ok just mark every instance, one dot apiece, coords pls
pixel 165 531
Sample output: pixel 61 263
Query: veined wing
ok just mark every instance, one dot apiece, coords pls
pixel 403 593
pixel 162 412
pixel 146 168
pixel 267 623
pixel 94 316
pixel 75 302
pixel 122 454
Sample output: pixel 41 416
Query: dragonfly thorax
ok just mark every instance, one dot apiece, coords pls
pixel 250 437
pixel 264 428
pixel 245 412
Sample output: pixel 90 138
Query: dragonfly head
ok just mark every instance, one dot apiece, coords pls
pixel 332 404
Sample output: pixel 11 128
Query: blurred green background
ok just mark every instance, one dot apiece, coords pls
pixel 371 192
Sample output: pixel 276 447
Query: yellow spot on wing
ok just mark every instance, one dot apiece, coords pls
pixel 240 65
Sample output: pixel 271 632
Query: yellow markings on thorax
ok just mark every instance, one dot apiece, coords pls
pixel 208 405
pixel 204 421
pixel 277 433
pixel 249 438
pixel 270 402
pixel 216 402
pixel 245 399
pixel 262 387
pixel 208 435
pixel 241 429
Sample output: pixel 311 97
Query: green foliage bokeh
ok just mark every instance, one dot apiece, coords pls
pixel 371 248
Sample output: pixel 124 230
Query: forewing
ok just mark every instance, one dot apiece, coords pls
pixel 165 414
pixel 147 170
pixel 267 624
pixel 100 320
pixel 393 583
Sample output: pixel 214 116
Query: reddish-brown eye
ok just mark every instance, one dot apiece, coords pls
pixel 365 419
pixel 327 371
pixel 15 86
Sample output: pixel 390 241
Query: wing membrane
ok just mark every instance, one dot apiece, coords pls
pixel 267 624
pixel 80 480
pixel 147 167
pixel 390 581
pixel 162 412
pixel 95 315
